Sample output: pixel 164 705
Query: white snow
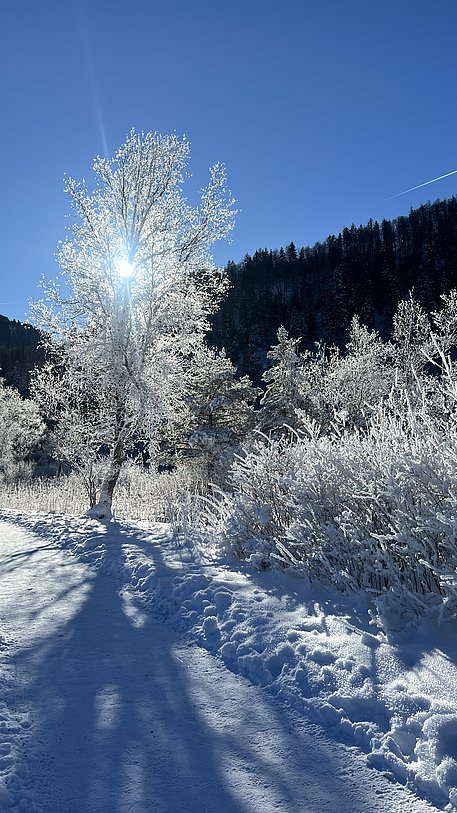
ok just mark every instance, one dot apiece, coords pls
pixel 136 676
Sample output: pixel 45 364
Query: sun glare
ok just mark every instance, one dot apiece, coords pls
pixel 124 268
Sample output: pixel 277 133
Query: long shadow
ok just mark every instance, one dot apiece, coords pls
pixel 411 644
pixel 111 696
pixel 124 724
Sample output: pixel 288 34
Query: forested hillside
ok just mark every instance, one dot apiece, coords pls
pixel 18 352
pixel 314 292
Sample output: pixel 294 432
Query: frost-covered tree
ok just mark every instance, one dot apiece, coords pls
pixel 284 391
pixel 343 387
pixel 445 323
pixel 21 429
pixel 357 379
pixel 222 410
pixel 138 286
pixel 411 337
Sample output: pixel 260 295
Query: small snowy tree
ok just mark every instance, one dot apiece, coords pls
pixel 411 336
pixel 222 411
pixel 284 392
pixel 76 412
pixel 357 380
pixel 21 429
pixel 139 284
pixel 445 321
pixel 343 387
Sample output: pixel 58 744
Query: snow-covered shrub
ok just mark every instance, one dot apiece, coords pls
pixel 251 518
pixel 346 384
pixel 169 496
pixel 285 385
pixel 445 322
pixel 21 429
pixel 373 509
pixel 410 336
pixel 142 494
pixel 221 412
pixel 351 383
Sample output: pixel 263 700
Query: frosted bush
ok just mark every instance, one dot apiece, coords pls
pixel 373 509
pixel 60 495
pixel 21 429
pixel 142 495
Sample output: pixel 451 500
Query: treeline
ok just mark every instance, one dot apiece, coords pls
pixel 18 352
pixel 315 291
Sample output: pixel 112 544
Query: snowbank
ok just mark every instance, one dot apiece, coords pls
pixel 389 691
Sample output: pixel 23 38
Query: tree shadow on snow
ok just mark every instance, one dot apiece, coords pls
pixel 124 723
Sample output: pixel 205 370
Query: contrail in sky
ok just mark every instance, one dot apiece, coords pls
pixel 454 171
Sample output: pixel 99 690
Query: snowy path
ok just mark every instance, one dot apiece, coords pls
pixel 107 710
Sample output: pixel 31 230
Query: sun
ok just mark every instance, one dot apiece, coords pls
pixel 124 268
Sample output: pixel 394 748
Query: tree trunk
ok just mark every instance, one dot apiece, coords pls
pixel 103 509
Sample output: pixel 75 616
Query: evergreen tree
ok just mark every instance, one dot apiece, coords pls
pixel 222 410
pixel 314 291
pixel 284 379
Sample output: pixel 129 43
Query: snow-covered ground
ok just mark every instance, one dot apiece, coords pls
pixel 137 676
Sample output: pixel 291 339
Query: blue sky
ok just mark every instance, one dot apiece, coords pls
pixel 321 111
